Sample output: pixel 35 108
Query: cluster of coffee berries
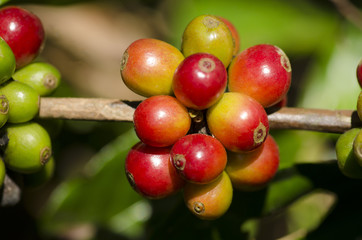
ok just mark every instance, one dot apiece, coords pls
pixel 349 144
pixel 25 145
pixel 203 127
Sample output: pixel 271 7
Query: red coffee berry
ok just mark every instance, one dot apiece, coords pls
pixel 359 73
pixel 150 172
pixel 262 72
pixel 253 170
pixel 23 32
pixel 199 81
pixel 160 121
pixel 238 121
pixel 198 158
pixel 148 65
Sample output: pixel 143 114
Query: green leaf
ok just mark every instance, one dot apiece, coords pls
pixel 331 81
pixel 2 2
pixel 103 196
pixel 287 186
pixel 308 212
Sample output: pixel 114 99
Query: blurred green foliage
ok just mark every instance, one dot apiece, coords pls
pixel 308 199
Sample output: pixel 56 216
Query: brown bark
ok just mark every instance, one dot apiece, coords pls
pixel 99 109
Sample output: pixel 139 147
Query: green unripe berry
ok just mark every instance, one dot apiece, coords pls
pixel 7 62
pixel 359 106
pixel 2 172
pixel 357 147
pixel 43 77
pixel 23 101
pixel 28 147
pixel 347 161
pixel 37 179
pixel 4 110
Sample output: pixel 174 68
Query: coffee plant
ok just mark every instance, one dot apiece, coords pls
pixel 206 146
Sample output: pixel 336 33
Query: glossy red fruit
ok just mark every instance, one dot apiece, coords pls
pixel 253 170
pixel 148 65
pixel 150 171
pixel 23 32
pixel 234 33
pixel 199 81
pixel 238 121
pixel 359 73
pixel 262 72
pixel 198 158
pixel 160 121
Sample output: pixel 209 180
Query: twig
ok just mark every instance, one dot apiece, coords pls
pixel 349 11
pixel 98 109
pixel 10 193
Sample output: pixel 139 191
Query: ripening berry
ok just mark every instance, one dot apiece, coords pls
pixel 251 171
pixel 208 34
pixel 238 121
pixel 209 201
pixel 263 72
pixel 148 65
pixel 234 33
